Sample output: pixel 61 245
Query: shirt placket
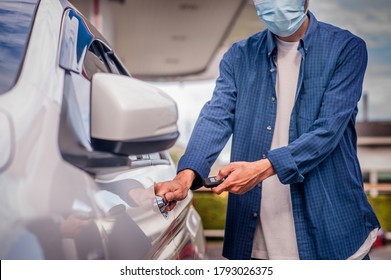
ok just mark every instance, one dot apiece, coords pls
pixel 271 117
pixel 292 125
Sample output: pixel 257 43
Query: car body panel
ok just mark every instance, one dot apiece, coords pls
pixel 52 209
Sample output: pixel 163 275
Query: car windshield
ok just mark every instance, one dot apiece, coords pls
pixel 16 18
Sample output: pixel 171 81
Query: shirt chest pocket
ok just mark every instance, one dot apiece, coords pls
pixel 310 99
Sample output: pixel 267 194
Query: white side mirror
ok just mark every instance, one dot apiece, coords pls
pixel 131 117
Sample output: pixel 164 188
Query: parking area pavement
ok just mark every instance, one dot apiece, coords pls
pixel 215 247
pixel 214 250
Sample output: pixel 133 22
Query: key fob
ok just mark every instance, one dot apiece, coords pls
pixel 212 182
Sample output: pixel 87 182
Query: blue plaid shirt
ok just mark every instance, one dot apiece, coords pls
pixel 331 213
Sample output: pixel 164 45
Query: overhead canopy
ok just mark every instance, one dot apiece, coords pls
pixel 171 38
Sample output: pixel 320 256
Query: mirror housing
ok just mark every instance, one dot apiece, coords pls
pixel 131 117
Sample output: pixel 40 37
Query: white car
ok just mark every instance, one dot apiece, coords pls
pixel 82 144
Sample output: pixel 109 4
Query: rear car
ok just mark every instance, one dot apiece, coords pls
pixel 82 145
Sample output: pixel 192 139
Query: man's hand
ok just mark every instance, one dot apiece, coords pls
pixel 175 189
pixel 243 176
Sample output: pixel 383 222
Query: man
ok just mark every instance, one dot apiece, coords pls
pixel 289 96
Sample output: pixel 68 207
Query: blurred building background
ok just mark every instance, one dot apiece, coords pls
pixel 177 45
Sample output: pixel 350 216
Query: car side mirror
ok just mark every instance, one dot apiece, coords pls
pixel 130 117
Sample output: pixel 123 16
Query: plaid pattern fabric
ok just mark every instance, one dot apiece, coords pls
pixel 331 212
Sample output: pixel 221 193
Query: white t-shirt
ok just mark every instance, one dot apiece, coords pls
pixel 275 236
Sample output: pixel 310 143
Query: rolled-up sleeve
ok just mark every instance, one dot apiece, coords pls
pixel 339 103
pixel 214 125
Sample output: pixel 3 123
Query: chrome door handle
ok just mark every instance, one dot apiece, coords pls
pixel 161 204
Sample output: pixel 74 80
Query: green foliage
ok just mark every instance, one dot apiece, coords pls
pixel 176 153
pixel 382 207
pixel 212 209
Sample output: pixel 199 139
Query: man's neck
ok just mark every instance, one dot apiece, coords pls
pixel 295 37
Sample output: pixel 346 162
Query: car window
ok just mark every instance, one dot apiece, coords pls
pixel 83 52
pixel 113 62
pixel 75 42
pixel 100 58
pixel 81 57
pixel 94 61
pixel 16 20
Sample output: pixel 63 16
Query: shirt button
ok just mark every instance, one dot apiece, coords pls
pixel 272 70
pixel 255 215
pixel 263 156
pixel 269 127
pixel 273 99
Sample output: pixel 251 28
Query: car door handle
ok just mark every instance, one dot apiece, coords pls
pixel 161 204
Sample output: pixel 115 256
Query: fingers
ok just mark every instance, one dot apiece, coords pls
pixel 224 186
pixel 239 178
pixel 225 172
pixel 164 188
pixel 176 195
pixel 171 206
pixel 169 196
pixel 171 191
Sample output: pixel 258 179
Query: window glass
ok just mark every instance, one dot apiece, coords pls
pixel 94 61
pixel 16 20
pixel 76 39
pixel 100 58
pixel 114 64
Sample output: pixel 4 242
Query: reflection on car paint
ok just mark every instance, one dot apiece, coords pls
pixel 67 236
pixel 6 140
pixel 143 221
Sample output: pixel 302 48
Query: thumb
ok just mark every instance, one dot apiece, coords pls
pixel 169 196
pixel 161 189
pixel 225 171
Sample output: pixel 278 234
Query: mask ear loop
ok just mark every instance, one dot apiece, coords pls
pixel 307 2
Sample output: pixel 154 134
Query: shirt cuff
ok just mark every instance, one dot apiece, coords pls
pixel 198 166
pixel 285 166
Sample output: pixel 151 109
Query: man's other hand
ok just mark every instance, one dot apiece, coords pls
pixel 243 176
pixel 175 189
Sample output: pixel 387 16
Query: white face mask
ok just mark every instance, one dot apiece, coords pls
pixel 281 17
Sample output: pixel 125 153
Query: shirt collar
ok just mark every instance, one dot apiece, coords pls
pixel 304 42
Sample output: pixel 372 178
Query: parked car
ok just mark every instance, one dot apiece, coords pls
pixel 380 239
pixel 82 144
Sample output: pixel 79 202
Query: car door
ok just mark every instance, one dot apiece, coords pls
pixel 122 203
pixel 45 204
pixel 142 230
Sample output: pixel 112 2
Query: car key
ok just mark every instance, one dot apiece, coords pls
pixel 212 182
